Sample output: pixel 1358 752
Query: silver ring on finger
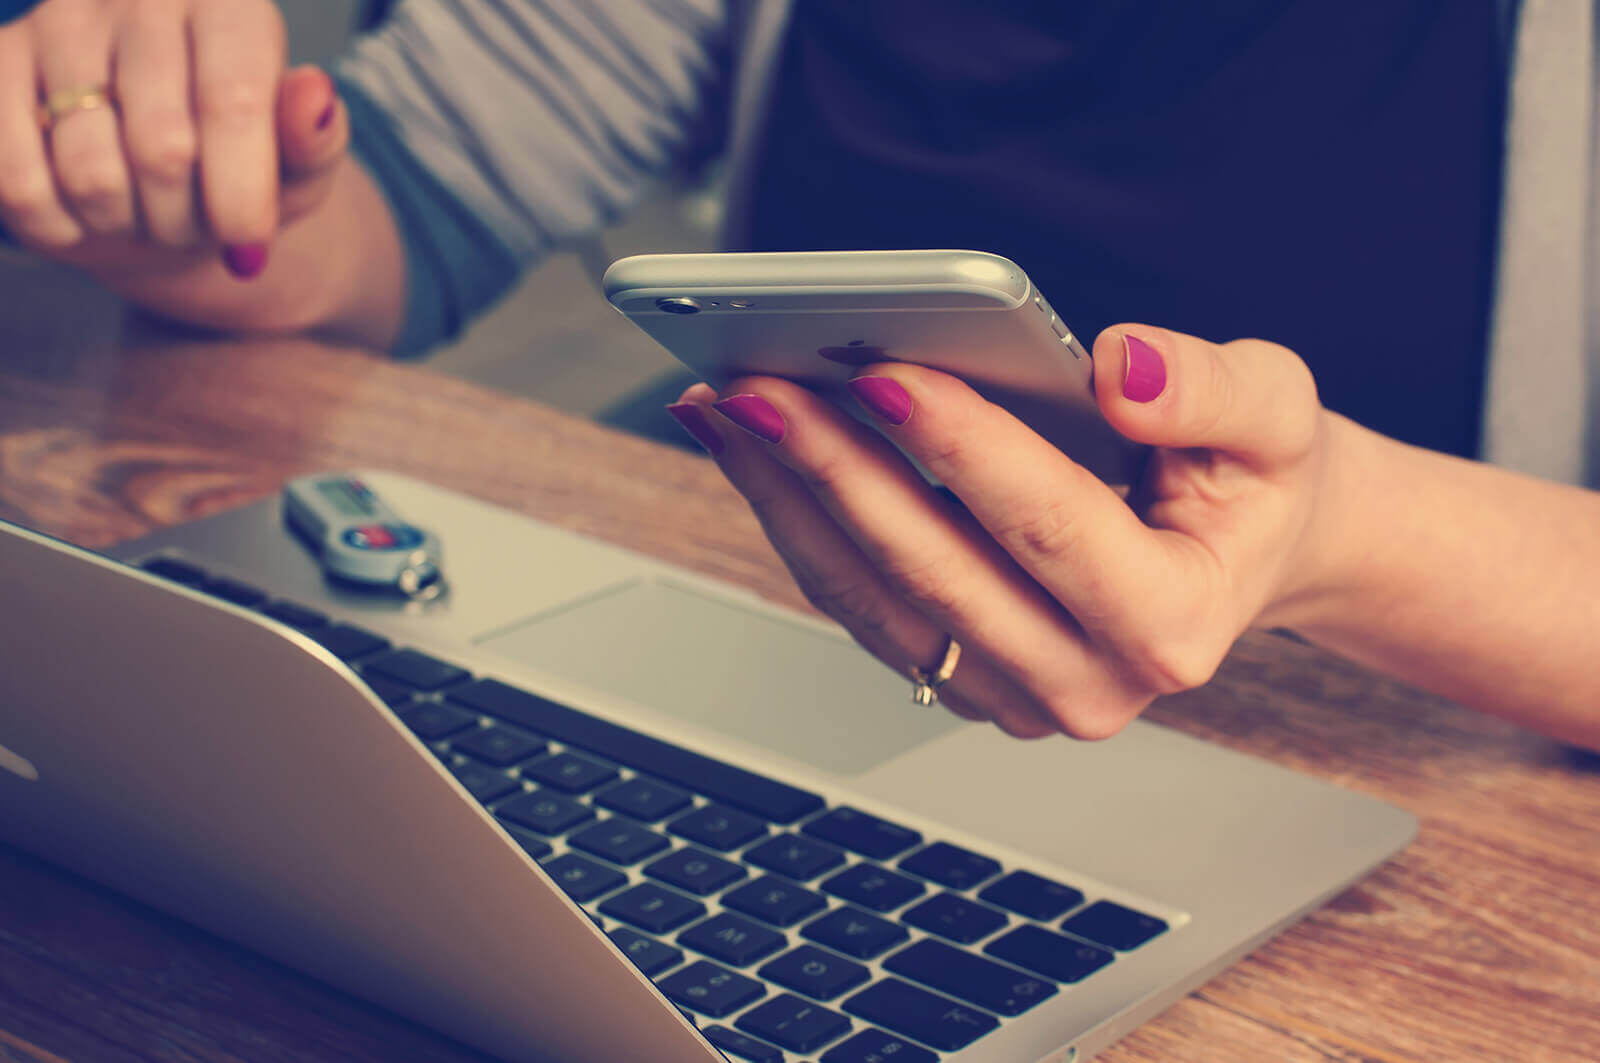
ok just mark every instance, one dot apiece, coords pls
pixel 925 685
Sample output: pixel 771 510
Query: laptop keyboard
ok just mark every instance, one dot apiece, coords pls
pixel 785 927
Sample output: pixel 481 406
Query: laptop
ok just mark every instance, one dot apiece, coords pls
pixel 587 806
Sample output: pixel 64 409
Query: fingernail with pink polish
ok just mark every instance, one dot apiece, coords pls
pixel 1146 374
pixel 698 425
pixel 245 260
pixel 882 396
pixel 755 415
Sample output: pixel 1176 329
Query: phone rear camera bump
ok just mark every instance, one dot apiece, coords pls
pixel 678 306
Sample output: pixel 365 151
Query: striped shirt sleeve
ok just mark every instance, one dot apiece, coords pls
pixel 499 130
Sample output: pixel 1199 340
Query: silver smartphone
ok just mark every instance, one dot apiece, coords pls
pixel 815 316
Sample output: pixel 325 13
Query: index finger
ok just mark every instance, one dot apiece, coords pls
pixel 1067 529
pixel 238 60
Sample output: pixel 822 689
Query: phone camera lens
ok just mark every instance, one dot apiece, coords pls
pixel 678 306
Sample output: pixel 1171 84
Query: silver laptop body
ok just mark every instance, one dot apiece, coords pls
pixel 229 769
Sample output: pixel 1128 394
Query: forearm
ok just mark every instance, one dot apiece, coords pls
pixel 1468 580
pixel 337 272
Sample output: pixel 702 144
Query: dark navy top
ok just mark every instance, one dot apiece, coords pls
pixel 1319 173
pixel 10 9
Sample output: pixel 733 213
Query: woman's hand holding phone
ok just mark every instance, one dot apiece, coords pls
pixel 1074 607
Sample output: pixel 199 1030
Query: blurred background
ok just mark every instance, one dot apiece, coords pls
pixel 554 338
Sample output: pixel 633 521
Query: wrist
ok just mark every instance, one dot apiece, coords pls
pixel 364 300
pixel 1336 571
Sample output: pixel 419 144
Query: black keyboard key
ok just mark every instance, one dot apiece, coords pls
pixel 774 900
pixel 1114 926
pixel 815 972
pixel 952 916
pixel 989 985
pixel 644 799
pixel 695 870
pixel 653 908
pixel 618 840
pixel 651 956
pixel 583 880
pixel 432 720
pixel 348 642
pixel 499 746
pixel 393 694
pixel 795 1024
pixel 854 932
pixel 775 801
pixel 569 772
pixel 862 833
pixel 545 811
pixel 718 826
pixel 742 1046
pixel 416 670
pixel 875 1046
pixel 230 590
pixel 711 990
pixel 176 571
pixel 296 616
pixel 732 939
pixel 1032 895
pixel 920 1015
pixel 483 783
pixel 873 887
pixel 948 865
pixel 535 846
pixel 797 857
pixel 1052 955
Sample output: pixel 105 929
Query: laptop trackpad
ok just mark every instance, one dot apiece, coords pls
pixel 741 672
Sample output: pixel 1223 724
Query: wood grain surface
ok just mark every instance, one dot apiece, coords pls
pixel 1479 942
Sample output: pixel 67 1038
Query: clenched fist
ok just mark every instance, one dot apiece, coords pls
pixel 150 135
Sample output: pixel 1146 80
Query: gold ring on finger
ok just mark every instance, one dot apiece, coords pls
pixel 925 687
pixel 65 102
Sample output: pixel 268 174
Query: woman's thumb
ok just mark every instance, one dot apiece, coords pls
pixel 1251 399
pixel 313 129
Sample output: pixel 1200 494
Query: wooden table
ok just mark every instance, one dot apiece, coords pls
pixel 1480 942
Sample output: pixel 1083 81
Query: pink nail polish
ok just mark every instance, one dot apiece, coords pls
pixel 245 260
pixel 698 425
pixel 1146 375
pixel 755 415
pixel 883 396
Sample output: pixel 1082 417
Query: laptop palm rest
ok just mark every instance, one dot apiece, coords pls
pixel 743 673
